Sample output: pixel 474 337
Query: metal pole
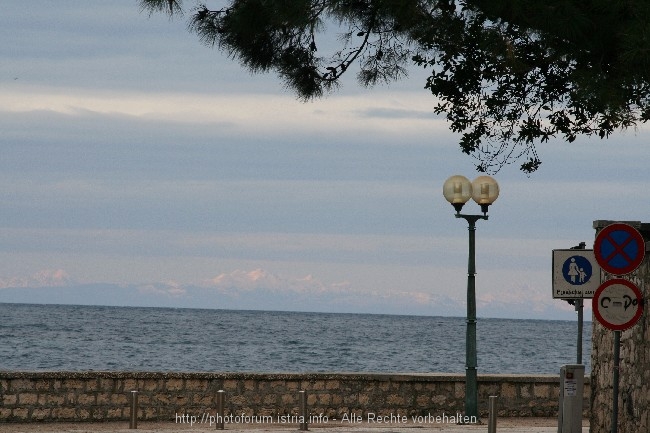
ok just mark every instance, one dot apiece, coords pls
pixel 471 386
pixel 220 414
pixel 492 421
pixel 133 424
pixel 579 305
pixel 617 364
pixel 580 309
pixel 303 411
pixel 471 382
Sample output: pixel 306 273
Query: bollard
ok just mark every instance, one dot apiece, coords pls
pixel 303 411
pixel 133 424
pixel 492 420
pixel 220 414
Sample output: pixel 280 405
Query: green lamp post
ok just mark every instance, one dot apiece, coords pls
pixel 484 191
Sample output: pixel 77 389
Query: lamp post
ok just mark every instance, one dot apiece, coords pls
pixel 484 191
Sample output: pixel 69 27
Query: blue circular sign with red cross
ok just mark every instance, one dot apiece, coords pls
pixel 619 248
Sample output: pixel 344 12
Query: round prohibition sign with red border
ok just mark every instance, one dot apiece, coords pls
pixel 619 248
pixel 617 304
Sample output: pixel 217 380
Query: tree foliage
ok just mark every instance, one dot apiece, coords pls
pixel 507 74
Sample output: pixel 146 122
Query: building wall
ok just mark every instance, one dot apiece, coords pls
pixel 634 371
pixel 104 396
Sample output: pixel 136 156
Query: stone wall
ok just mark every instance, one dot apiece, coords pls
pixel 105 396
pixel 634 371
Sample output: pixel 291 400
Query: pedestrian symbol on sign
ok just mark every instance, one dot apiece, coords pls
pixel 576 270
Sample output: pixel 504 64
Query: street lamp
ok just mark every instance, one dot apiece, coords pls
pixel 484 191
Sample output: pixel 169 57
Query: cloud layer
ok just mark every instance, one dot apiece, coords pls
pixel 262 290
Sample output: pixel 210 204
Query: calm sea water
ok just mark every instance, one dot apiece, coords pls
pixel 80 338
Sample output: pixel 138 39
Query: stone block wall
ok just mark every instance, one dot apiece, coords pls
pixel 105 396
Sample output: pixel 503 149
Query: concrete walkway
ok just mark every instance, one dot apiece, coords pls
pixel 504 425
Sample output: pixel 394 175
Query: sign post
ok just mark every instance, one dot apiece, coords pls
pixel 576 276
pixel 618 303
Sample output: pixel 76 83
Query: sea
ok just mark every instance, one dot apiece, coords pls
pixel 102 338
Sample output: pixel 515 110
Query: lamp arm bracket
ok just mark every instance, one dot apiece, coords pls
pixel 471 218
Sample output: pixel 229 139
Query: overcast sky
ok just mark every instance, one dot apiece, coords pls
pixel 134 155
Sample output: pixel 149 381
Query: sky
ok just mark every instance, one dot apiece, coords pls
pixel 140 167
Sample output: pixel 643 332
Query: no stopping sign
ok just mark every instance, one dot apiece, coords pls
pixel 619 249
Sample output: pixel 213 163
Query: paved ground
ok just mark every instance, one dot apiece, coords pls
pixel 504 425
